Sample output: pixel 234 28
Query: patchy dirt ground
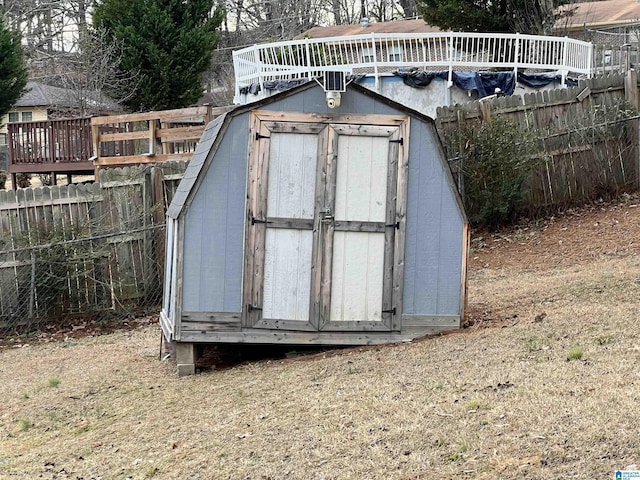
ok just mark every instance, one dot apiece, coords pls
pixel 544 384
pixel 572 237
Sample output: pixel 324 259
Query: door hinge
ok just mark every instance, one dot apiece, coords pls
pixel 259 136
pixel 393 225
pixel 251 308
pixel 392 311
pixel 400 141
pixel 255 220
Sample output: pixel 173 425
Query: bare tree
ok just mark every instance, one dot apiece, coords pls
pixel 51 30
pixel 260 20
pixel 63 50
pixel 409 8
pixel 47 25
pixel 253 21
pixel 384 10
pixel 346 11
pixel 538 16
pixel 93 70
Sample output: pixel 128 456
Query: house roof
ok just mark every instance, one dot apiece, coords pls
pixel 591 14
pixel 399 26
pixel 215 130
pixel 600 14
pixel 41 95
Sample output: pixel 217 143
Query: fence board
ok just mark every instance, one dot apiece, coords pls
pixel 92 247
pixel 598 166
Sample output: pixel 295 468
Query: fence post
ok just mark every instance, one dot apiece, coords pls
pixel 565 53
pixel 306 45
pixel 256 56
pixel 516 58
pixel 148 235
pixel 33 289
pixel 159 212
pixel 461 120
pixel 451 51
pixel 375 61
pixel 50 141
pixel 631 88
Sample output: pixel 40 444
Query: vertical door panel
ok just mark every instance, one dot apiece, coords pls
pixel 361 178
pixel 357 276
pixel 287 274
pixel 292 175
pixel 288 242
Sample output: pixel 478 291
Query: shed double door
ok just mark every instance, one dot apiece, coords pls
pixel 325 217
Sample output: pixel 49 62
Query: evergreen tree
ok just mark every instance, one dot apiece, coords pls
pixel 522 16
pixel 167 46
pixel 13 73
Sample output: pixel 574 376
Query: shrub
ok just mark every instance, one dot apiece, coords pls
pixel 496 159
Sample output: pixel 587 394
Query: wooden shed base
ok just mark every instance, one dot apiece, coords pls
pixel 187 346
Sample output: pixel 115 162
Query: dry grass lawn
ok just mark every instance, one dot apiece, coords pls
pixel 545 385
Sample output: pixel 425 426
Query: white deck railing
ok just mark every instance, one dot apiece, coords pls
pixel 379 53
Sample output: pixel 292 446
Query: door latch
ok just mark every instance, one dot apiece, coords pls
pixel 327 215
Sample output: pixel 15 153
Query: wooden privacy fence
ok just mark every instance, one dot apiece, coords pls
pixel 84 249
pixel 150 137
pixel 589 133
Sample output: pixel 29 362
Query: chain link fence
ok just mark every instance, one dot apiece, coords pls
pixel 75 254
pixel 97 278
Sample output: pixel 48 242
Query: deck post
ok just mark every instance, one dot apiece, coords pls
pixel 186 359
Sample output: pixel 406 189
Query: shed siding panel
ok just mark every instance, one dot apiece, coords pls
pixel 212 274
pixel 235 204
pixel 450 256
pixel 314 100
pixel 433 255
pixel 212 238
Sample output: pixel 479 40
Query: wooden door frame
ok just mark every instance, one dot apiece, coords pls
pixel 258 221
pixel 393 133
pixel 262 123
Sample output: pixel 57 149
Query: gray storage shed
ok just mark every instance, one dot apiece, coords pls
pixel 303 224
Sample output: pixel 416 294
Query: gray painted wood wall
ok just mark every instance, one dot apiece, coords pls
pixel 214 224
pixel 214 228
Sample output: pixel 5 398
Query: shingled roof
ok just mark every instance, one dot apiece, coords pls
pixel 601 14
pixel 399 26
pixel 40 95
pixel 589 14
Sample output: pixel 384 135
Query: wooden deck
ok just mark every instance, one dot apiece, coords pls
pixel 50 146
pixel 84 145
